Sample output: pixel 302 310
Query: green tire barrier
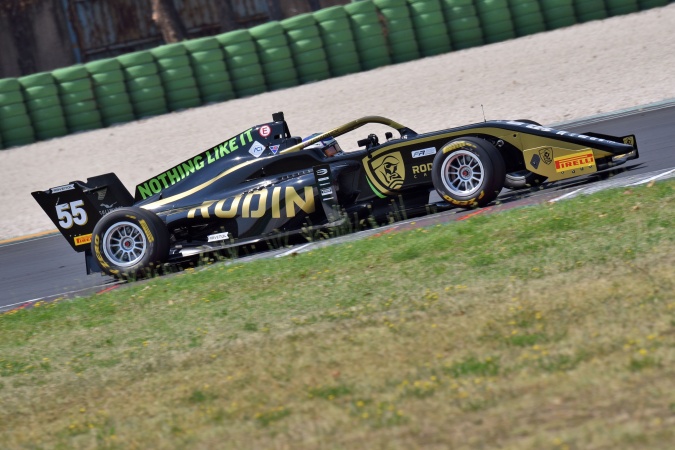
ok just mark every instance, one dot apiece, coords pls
pixel 78 107
pixel 210 72
pixel 113 100
pixel 142 70
pixel 431 32
pixel 587 10
pixel 369 39
pixel 48 122
pixel 333 41
pixel 76 93
pixel 400 32
pixel 110 91
pixel 558 13
pixel 275 55
pixel 620 7
pixel 648 4
pixel 146 92
pixel 248 79
pixel 338 41
pixel 463 24
pixel 104 90
pixel 15 124
pixel 177 77
pixel 18 136
pixel 495 17
pixel 527 17
pixel 113 76
pixel 307 51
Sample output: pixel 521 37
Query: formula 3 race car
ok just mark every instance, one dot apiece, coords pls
pixel 264 183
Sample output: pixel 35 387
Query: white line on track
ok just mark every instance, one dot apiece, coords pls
pixel 26 240
pixel 293 250
pixel 562 197
pixel 655 177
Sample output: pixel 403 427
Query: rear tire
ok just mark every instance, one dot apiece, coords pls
pixel 130 242
pixel 468 172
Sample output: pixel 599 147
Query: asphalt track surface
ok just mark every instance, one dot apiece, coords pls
pixel 46 267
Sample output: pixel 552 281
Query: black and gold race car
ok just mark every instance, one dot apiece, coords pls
pixel 264 183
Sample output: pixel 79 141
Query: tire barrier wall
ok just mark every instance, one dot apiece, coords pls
pixel 335 41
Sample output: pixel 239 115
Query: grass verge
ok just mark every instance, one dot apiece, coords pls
pixel 545 327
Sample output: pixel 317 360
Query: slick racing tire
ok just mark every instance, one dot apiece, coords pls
pixel 523 179
pixel 468 172
pixel 130 242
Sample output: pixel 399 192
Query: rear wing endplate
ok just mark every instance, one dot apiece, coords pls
pixel 76 207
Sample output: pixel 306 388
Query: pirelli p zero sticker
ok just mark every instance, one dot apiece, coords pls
pixel 82 240
pixel 148 233
pixel 576 161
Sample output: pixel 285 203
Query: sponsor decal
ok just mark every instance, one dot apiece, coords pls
pixel 463 202
pixel 258 204
pixel 67 187
pixel 265 131
pixel 457 145
pixel 107 208
pixel 274 149
pixel 422 169
pixel 536 159
pixel 324 182
pixel 388 170
pixel 82 240
pixel 101 194
pixel 629 140
pixel 97 252
pixel 424 152
pixel 256 149
pixel 546 155
pixel 576 161
pixel 175 174
pixel 148 234
pixel 219 237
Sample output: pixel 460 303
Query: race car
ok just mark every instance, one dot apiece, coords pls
pixel 264 183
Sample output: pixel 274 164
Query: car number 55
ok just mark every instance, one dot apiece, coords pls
pixel 69 213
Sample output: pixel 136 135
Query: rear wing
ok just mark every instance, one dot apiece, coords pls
pixel 76 207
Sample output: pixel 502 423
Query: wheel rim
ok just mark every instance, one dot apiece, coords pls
pixel 463 173
pixel 124 244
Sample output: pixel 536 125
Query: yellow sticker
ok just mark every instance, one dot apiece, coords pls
pixel 82 240
pixel 145 227
pixel 576 161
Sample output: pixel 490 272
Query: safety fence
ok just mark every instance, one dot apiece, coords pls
pixel 335 41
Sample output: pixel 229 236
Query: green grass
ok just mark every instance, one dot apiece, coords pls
pixel 544 327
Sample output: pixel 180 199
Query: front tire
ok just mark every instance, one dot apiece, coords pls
pixel 130 242
pixel 468 172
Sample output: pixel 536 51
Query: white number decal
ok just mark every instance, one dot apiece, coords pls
pixel 69 213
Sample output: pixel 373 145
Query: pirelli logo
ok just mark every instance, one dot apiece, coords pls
pixel 577 161
pixel 82 240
